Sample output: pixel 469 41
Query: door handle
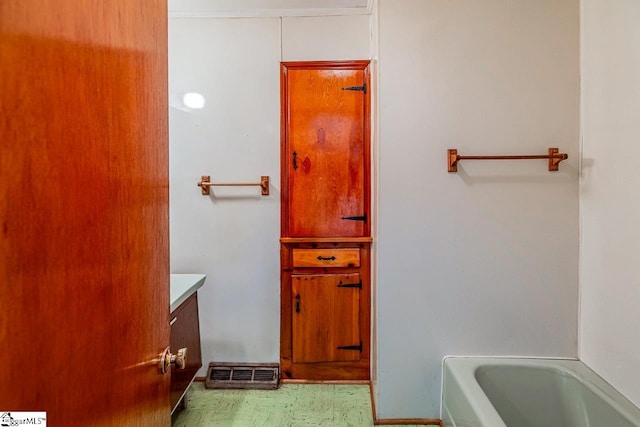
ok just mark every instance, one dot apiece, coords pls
pixel 168 360
pixel 298 303
pixel 295 163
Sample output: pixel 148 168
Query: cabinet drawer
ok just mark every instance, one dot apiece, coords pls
pixel 326 257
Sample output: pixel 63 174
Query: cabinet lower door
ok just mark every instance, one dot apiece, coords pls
pixel 326 318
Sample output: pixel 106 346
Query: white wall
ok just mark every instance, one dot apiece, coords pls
pixel 233 237
pixel 609 195
pixel 325 38
pixel 485 261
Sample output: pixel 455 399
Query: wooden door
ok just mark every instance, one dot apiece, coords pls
pixel 84 266
pixel 325 149
pixel 326 317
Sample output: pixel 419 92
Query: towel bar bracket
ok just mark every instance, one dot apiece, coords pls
pixel 555 157
pixel 205 185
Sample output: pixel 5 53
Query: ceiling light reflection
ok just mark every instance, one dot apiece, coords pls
pixel 193 100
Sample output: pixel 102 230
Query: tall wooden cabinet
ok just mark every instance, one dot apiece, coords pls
pixel 325 223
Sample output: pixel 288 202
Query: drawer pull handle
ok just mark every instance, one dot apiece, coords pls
pixel 321 258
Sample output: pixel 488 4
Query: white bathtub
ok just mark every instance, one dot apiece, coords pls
pixel 506 392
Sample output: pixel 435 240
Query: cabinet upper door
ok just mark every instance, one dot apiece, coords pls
pixel 325 150
pixel 326 318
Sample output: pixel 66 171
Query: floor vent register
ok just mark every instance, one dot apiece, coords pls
pixel 258 376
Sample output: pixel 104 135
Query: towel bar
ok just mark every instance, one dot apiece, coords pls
pixel 206 184
pixel 554 156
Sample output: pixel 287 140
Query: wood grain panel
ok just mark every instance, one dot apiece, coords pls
pixel 344 370
pixel 325 318
pixel 84 211
pixel 326 257
pixel 325 150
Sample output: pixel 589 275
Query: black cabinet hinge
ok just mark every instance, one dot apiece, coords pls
pixel 351 347
pixel 362 88
pixel 356 218
pixel 350 285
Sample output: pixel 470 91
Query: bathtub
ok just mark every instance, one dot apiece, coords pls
pixel 509 392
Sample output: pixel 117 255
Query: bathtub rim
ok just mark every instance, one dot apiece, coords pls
pixel 571 366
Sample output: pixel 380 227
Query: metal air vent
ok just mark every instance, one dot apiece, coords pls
pixel 262 376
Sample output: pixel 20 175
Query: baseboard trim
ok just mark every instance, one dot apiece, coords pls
pixel 400 421
pixel 409 421
pixel 296 381
pixel 373 403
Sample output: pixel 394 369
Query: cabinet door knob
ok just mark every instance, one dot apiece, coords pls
pixel 167 360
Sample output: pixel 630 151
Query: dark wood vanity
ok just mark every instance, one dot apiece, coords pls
pixel 185 332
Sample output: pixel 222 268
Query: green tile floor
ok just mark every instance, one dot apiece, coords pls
pixel 292 405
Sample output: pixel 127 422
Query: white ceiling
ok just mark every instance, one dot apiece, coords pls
pixel 255 8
